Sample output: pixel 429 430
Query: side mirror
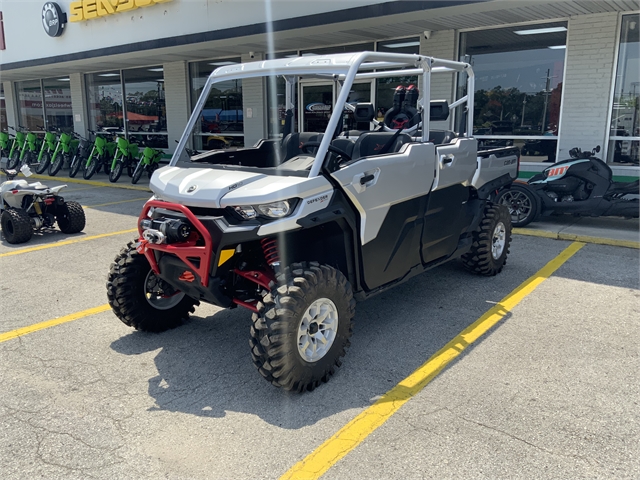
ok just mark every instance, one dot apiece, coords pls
pixel 439 110
pixel 364 112
pixel 26 170
pixel 597 149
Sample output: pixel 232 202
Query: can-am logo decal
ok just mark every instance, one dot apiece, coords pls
pixel 318 107
pixel 53 19
pixel 90 9
pixel 320 199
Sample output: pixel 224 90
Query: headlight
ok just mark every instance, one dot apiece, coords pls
pixel 269 210
pixel 275 210
pixel 246 212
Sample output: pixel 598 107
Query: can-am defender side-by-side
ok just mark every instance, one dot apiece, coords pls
pixel 296 229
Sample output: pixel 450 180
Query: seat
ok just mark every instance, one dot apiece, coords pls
pixel 344 144
pixel 375 143
pixel 441 137
pixel 292 143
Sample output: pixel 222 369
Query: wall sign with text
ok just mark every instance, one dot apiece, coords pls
pixel 89 9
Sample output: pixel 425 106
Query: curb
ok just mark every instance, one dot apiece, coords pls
pixel 577 238
pixel 92 182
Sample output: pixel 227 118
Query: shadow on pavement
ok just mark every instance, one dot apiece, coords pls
pixel 205 369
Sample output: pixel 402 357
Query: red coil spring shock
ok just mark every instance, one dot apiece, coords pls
pixel 270 250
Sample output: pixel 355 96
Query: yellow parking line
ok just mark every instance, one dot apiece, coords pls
pixel 66 242
pixel 116 203
pixel 354 432
pixel 52 323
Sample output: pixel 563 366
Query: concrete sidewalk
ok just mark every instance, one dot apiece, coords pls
pixel 614 231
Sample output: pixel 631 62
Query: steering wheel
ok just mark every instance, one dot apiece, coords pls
pixel 304 147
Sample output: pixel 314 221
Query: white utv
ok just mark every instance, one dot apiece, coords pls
pixel 296 229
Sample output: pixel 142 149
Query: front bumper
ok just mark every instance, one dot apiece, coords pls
pixel 197 266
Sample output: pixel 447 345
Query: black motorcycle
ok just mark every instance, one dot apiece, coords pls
pixel 581 186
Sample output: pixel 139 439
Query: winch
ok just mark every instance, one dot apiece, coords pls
pixel 165 230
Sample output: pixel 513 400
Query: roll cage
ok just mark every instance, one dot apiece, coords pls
pixel 343 69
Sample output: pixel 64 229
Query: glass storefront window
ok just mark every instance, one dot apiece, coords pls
pixel 624 135
pixel 30 110
pixel 221 125
pixel 57 98
pixel 3 111
pixel 385 87
pixel 104 100
pixel 145 106
pixel 519 73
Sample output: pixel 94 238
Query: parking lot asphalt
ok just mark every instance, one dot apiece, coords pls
pixel 551 391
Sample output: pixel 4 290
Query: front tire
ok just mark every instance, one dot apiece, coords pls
pixel 91 169
pixel 115 173
pixel 142 300
pixel 43 164
pixel 76 164
pixel 56 165
pixel 303 327
pixel 16 226
pixel 70 217
pixel 137 173
pixel 521 202
pixel 491 241
pixel 14 161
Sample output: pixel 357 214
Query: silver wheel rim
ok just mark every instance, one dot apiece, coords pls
pixel 159 302
pixel 499 240
pixel 519 205
pixel 317 330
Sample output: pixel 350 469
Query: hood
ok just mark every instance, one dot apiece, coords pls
pixel 198 187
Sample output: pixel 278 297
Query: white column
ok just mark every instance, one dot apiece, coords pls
pixel 441 44
pixel 254 105
pixel 79 104
pixel 10 104
pixel 176 91
pixel 591 46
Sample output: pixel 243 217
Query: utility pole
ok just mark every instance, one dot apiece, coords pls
pixel 546 92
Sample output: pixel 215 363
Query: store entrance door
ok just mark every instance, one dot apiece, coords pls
pixel 317 101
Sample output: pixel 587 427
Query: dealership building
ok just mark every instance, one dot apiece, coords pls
pixel 550 74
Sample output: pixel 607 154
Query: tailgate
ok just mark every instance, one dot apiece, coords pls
pixel 496 163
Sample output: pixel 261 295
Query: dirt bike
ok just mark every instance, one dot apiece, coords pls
pixel 47 148
pixel 100 153
pixel 24 148
pixel 124 156
pixel 62 153
pixel 581 185
pixel 149 161
pixel 80 156
pixel 5 142
pixel 27 207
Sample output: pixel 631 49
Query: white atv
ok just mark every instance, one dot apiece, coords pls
pixel 26 207
pixel 296 229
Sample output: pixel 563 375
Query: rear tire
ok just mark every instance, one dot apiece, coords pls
pixel 43 164
pixel 115 173
pixel 521 202
pixel 128 284
pixel 16 226
pixel 303 327
pixel 56 165
pixel 491 241
pixel 70 217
